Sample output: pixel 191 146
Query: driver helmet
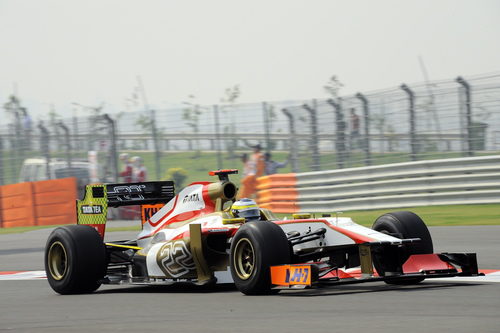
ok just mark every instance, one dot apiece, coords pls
pixel 246 208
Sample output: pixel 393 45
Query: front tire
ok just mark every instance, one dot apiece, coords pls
pixel 75 259
pixel 403 225
pixel 255 247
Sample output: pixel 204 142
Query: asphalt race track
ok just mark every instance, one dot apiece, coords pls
pixel 432 306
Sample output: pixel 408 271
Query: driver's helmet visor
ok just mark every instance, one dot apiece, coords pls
pixel 249 213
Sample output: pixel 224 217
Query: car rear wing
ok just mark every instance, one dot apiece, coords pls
pixel 128 194
pixel 92 210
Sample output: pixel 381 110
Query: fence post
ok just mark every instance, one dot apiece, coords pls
pixel 217 136
pixel 91 120
pixel 293 141
pixel 267 126
pixel 468 115
pixel 1 177
pixel 366 116
pixel 112 133
pixel 76 142
pixel 16 143
pixel 12 158
pixel 156 145
pixel 68 142
pixel 154 131
pixel 413 138
pixel 340 127
pixel 44 146
pixel 1 163
pixel 314 135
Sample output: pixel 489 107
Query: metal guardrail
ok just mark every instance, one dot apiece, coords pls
pixel 402 186
pixel 450 166
pixel 470 180
pixel 400 201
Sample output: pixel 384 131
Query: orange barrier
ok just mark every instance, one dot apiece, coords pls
pixel 45 202
pixel 281 207
pixel 55 201
pixel 17 205
pixel 277 180
pixel 278 193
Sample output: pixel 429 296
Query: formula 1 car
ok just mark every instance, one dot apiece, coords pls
pixel 193 238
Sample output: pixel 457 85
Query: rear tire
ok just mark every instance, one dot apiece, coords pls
pixel 255 247
pixel 403 225
pixel 75 259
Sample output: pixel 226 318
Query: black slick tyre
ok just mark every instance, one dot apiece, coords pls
pixel 403 225
pixel 75 259
pixel 255 247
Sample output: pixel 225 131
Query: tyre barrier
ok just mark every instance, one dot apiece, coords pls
pixel 470 180
pixel 47 202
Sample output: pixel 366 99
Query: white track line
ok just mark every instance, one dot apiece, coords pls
pixel 490 277
pixel 37 275
pixel 27 275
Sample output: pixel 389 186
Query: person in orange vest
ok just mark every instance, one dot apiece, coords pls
pixel 258 160
pixel 253 167
pixel 248 182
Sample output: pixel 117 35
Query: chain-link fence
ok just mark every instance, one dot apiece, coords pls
pixel 437 119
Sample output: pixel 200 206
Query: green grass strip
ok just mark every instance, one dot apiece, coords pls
pixel 432 216
pixel 19 230
pixel 437 215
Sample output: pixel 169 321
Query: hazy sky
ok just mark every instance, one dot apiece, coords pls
pixel 92 51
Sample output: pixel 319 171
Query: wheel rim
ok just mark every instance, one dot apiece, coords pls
pixel 57 260
pixel 244 259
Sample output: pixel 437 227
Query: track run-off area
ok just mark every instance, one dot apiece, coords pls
pixel 460 304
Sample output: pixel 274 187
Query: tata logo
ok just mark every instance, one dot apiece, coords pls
pixel 191 198
pixel 92 209
pixel 297 275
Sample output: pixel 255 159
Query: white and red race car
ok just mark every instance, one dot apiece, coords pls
pixel 193 238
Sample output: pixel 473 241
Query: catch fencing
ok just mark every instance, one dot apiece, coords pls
pixel 472 180
pixel 439 119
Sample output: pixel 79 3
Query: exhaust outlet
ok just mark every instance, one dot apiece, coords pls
pixel 222 190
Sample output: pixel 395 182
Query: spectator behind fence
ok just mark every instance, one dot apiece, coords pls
pixel 127 172
pixel 273 166
pixel 140 173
